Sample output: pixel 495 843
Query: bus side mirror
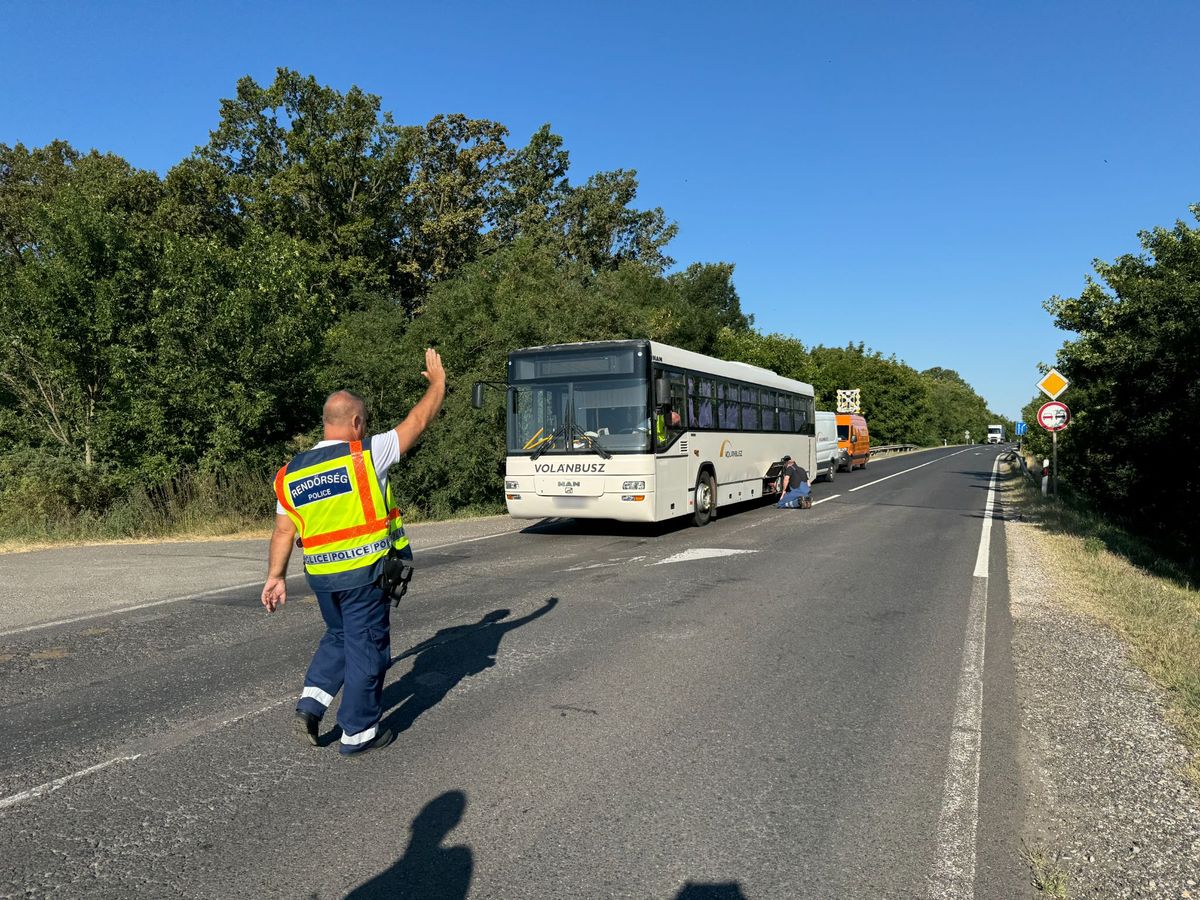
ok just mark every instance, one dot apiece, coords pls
pixel 477 395
pixel 854 438
pixel 662 393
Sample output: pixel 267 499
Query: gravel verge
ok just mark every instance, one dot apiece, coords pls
pixel 1110 806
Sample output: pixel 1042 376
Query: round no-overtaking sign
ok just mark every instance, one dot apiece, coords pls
pixel 1054 416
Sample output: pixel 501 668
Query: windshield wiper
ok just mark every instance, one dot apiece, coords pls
pixel 595 445
pixel 547 442
pixel 569 431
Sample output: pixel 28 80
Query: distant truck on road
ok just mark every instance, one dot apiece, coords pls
pixel 995 434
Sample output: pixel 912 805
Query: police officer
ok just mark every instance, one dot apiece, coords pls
pixel 337 497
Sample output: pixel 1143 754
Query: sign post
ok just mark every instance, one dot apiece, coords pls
pixel 1054 417
pixel 1052 385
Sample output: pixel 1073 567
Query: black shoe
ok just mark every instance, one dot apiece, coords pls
pixel 382 738
pixel 308 727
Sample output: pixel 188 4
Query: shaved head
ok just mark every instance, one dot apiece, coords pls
pixel 341 410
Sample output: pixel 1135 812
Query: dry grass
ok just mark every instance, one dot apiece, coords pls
pixel 1156 613
pixel 214 533
pixel 1045 872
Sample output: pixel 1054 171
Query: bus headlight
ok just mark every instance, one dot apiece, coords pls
pixel 510 484
pixel 633 486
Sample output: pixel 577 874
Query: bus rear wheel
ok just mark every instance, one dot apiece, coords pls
pixel 706 496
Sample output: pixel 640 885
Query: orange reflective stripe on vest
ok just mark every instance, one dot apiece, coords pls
pixel 316 540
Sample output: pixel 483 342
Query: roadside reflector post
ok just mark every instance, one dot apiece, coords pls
pixel 1045 477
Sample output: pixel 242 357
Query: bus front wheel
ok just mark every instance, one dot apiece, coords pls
pixel 706 498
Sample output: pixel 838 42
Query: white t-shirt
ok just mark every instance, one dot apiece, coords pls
pixel 385 453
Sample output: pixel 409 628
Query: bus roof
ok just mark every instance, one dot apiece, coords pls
pixel 686 359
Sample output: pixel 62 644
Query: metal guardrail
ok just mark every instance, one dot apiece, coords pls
pixel 888 449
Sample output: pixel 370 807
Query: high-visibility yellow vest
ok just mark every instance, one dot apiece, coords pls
pixel 660 428
pixel 345 523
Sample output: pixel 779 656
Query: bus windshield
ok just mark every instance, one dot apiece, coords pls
pixel 607 399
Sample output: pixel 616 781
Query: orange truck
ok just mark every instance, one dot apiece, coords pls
pixel 854 439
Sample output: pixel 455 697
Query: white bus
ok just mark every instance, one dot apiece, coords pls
pixel 640 432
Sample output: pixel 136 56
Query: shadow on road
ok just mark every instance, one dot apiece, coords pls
pixel 726 890
pixel 613 528
pixel 427 870
pixel 446 659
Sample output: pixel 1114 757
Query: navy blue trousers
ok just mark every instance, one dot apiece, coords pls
pixel 790 500
pixel 353 657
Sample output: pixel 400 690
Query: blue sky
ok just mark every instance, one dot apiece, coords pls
pixel 917 176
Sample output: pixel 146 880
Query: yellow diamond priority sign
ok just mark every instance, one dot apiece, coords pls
pixel 1053 384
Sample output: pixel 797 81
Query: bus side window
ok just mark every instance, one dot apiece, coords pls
pixel 727 404
pixel 768 411
pixel 749 409
pixel 679 420
pixel 803 415
pixel 704 410
pixel 785 412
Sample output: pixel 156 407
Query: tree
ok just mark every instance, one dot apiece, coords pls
pixel 777 352
pixel 596 226
pixel 1135 383
pixel 709 303
pixel 237 336
pixel 74 305
pixel 313 163
pixel 955 408
pixel 895 399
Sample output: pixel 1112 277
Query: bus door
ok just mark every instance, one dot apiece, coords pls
pixel 670 445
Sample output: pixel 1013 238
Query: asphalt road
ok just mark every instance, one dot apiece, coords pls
pixel 584 710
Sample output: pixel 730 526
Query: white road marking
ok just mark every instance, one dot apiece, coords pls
pixel 700 553
pixel 985 537
pixel 905 471
pixel 953 875
pixel 221 590
pixel 486 537
pixel 54 785
pixel 605 565
pixel 168 741
pixel 823 499
pixel 137 606
pixel 255 712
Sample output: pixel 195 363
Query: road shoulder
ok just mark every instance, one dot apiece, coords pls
pixel 1111 812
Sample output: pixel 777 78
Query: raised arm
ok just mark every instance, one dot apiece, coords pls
pixel 410 430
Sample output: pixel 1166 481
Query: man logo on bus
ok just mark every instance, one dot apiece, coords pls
pixel 728 454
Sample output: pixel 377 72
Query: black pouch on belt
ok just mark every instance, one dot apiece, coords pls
pixel 397 573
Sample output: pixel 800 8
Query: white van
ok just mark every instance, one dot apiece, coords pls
pixel 829 455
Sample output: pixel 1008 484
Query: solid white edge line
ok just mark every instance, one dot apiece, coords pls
pixel 134 608
pixel 485 537
pixel 233 587
pixel 953 873
pixel 985 536
pixel 54 785
pixel 906 471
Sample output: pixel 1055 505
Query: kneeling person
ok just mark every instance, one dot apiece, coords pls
pixel 794 490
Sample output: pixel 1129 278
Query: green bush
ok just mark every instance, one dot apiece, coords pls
pixel 44 495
